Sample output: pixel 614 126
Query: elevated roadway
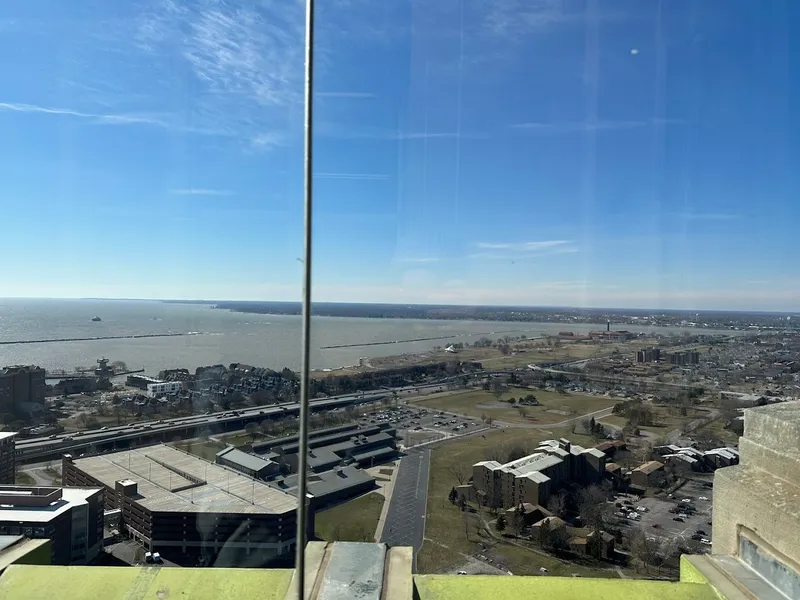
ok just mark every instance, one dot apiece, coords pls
pixel 142 433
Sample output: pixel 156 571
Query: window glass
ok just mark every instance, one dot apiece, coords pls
pixel 553 260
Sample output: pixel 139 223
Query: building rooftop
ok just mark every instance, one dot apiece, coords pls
pixel 7 434
pixel 649 467
pixel 532 462
pixel 169 480
pixel 329 482
pixel 684 457
pixel 245 460
pixel 22 503
pixel 322 457
pixel 489 464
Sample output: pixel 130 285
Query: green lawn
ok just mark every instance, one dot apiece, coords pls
pixel 206 450
pixel 353 521
pixel 480 402
pixel 445 537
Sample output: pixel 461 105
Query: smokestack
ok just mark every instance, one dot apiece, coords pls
pixel 608 325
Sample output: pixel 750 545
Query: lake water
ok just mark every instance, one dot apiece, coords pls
pixel 224 337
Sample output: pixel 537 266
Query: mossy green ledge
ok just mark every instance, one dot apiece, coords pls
pixel 29 582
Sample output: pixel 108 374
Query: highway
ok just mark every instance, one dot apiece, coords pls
pixel 149 432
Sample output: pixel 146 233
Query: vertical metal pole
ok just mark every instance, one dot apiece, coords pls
pixel 305 369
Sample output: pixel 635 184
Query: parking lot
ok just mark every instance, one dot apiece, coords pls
pixel 417 426
pixel 686 517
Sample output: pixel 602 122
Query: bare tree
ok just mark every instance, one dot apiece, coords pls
pixel 252 430
pixel 591 502
pixel 458 472
pixel 643 549
pixel 556 504
pixel 466 518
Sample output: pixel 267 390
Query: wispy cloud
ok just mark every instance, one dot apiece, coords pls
pixel 108 119
pixel 575 126
pixel 201 192
pixel 514 251
pixel 267 140
pixel 246 61
pixel 352 176
pixel 688 216
pixel 523 246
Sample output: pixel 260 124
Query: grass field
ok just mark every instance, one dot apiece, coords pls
pixel 206 450
pixel 717 428
pixel 445 538
pixel 664 419
pixel 480 402
pixel 353 521
pixel 524 352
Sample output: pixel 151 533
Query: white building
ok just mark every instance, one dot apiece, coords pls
pixel 154 390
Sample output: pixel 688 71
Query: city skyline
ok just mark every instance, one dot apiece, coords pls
pixel 533 154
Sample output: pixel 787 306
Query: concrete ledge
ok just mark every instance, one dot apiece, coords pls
pixel 703 569
pixel 398 581
pixel 345 570
pixel 752 498
pixel 784 464
pixel 776 426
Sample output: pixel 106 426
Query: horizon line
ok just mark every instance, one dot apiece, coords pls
pixel 414 304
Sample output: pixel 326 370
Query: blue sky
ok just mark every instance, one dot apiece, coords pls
pixel 531 152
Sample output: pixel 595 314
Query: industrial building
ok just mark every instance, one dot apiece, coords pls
pixel 22 388
pixel 181 505
pixel 251 465
pixel 140 381
pixel 330 487
pixel 536 477
pixel 7 457
pixel 336 446
pixel 71 518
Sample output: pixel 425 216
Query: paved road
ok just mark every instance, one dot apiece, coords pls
pixel 405 521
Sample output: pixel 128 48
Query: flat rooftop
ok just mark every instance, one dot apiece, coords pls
pixel 159 472
pixel 42 514
pixel 534 462
pixel 7 434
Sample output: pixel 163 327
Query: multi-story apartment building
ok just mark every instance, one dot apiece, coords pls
pixel 536 477
pixel 21 386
